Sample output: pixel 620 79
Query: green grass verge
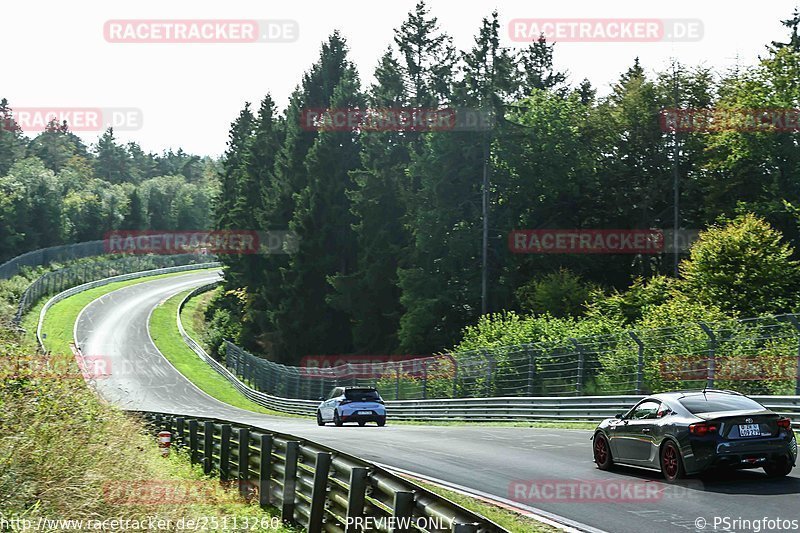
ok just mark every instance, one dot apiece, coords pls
pixel 60 319
pixel 506 518
pixel 165 334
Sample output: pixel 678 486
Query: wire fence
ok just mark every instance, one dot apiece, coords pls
pixel 45 256
pixel 71 276
pixel 754 356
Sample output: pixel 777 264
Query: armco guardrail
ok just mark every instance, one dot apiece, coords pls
pixel 283 405
pixel 503 409
pixel 99 283
pixel 316 487
pixel 72 275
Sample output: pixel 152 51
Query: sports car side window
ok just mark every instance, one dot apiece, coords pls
pixel 646 410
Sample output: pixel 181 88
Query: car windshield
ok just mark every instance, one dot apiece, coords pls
pixel 362 395
pixel 712 403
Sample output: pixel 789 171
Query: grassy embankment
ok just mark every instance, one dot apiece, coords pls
pixel 64 454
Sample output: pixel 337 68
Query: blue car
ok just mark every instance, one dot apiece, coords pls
pixel 352 404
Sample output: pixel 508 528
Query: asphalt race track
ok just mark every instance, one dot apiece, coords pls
pixel 538 467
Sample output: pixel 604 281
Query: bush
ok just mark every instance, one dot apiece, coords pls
pixel 743 268
pixel 559 294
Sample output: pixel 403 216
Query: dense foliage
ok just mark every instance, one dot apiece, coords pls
pixel 390 222
pixel 55 190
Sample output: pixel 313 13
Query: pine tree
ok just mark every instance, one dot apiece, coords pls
pixel 323 222
pixel 370 295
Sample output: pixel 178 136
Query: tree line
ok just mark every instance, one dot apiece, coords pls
pixel 56 190
pixel 390 222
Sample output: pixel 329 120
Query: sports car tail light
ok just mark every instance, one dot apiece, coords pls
pixel 784 423
pixel 702 429
pixel 345 401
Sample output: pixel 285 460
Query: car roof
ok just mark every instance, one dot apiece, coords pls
pixel 677 395
pixel 351 387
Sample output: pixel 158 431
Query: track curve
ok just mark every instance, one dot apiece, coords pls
pixel 503 462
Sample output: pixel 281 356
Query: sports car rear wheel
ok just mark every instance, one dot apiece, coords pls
pixel 671 462
pixel 602 452
pixel 336 420
pixel 778 468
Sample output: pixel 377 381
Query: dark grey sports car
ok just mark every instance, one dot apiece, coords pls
pixel 682 433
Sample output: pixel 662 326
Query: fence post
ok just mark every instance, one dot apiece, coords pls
pixel 425 379
pixel 180 431
pixel 403 507
pixel 225 453
pixel 244 462
pixel 265 472
pixel 319 492
pixel 712 351
pixel 489 371
pixel 289 481
pixel 193 444
pixel 796 324
pixel 531 367
pixel 397 382
pixel 356 497
pixel 455 376
pixel 581 362
pixel 640 363
pixel 208 446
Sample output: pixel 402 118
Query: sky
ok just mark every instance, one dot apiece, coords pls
pixel 56 54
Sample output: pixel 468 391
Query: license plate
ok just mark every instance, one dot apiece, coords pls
pixel 749 430
pixel 365 412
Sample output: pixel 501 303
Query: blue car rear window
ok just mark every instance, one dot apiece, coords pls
pixel 359 395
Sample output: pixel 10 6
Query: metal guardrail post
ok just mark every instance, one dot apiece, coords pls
pixel 289 481
pixel 403 507
pixel 319 492
pixel 640 362
pixel 225 453
pixel 180 431
pixel 356 497
pixel 712 351
pixel 244 462
pixel 796 324
pixel 581 363
pixel 425 379
pixel 265 471
pixel 193 442
pixel 208 447
pixel 531 367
